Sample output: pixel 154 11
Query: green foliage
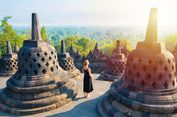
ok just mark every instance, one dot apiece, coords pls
pixel 170 41
pixel 7 33
pixel 44 33
pixel 82 44
pixel 109 47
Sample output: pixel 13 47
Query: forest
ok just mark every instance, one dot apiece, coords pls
pixel 82 39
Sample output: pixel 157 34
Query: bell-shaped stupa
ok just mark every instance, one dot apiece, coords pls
pixel 115 65
pixel 148 88
pixel 16 49
pixel 8 62
pixel 39 84
pixel 67 63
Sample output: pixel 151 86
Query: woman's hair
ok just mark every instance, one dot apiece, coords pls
pixel 85 63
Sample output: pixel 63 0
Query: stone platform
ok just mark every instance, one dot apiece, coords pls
pixel 81 107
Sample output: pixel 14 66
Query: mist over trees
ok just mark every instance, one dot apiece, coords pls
pixel 82 39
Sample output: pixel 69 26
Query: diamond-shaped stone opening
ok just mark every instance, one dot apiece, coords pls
pixel 29 54
pixel 42 59
pixel 134 66
pixel 45 53
pixel 55 57
pixel 57 66
pixel 149 76
pixel 173 67
pixel 26 71
pixel 38 54
pixel 54 62
pixel 31 65
pixel 34 59
pixel 166 69
pixel 150 61
pixel 170 75
pixel 155 68
pixel 169 61
pixel 144 68
pixel 142 83
pixel 154 85
pixel 51 52
pixel 165 84
pixel 43 71
pixel 173 83
pixel 50 57
pixel 47 64
pixel 51 69
pixel 39 65
pixel 26 59
pixel 139 60
pixel 35 72
pixel 160 76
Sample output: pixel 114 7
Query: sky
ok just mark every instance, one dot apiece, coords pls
pixel 89 12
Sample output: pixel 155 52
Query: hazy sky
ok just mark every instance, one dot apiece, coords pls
pixel 88 12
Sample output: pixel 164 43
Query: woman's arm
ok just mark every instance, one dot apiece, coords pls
pixel 90 73
pixel 82 70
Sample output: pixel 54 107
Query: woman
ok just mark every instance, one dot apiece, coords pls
pixel 88 87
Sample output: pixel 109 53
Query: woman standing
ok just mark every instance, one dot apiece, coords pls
pixel 88 87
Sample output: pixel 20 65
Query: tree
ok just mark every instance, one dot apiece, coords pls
pixel 7 33
pixel 108 47
pixel 84 45
pixel 44 33
pixel 170 41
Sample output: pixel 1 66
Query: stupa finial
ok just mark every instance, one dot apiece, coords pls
pixel 36 34
pixel 63 46
pixel 118 47
pixel 9 49
pixel 151 34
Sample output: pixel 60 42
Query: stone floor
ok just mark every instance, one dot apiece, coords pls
pixel 81 107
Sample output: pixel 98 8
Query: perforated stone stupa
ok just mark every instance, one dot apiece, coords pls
pixel 115 65
pixel 40 84
pixel 16 49
pixel 8 62
pixel 97 60
pixel 67 63
pixel 148 88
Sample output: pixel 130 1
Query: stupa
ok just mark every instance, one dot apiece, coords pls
pixel 97 59
pixel 67 63
pixel 125 51
pixel 39 84
pixel 16 49
pixel 115 65
pixel 148 88
pixel 8 62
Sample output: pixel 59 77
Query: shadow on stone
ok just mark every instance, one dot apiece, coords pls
pixel 84 109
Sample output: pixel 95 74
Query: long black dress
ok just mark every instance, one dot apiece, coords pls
pixel 88 87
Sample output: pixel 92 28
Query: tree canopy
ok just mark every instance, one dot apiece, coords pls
pixel 7 33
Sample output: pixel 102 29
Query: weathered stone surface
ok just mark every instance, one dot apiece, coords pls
pixel 39 84
pixel 115 65
pixel 8 62
pixel 67 63
pixel 97 59
pixel 148 87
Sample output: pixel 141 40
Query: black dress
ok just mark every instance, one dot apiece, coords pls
pixel 88 87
